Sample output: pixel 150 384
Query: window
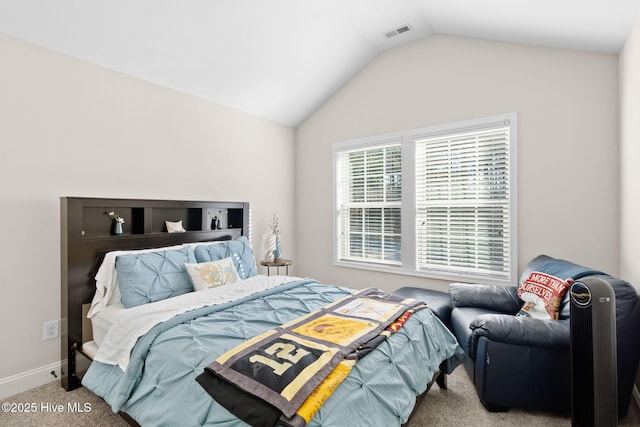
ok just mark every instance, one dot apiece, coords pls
pixel 462 202
pixel 369 195
pixel 436 202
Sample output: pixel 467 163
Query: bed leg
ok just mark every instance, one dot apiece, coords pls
pixel 128 419
pixel 441 380
pixel 68 378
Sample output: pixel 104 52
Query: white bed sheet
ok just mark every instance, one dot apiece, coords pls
pixel 127 325
pixel 101 322
pixel 89 349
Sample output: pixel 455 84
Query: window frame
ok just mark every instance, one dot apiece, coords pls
pixel 351 146
pixel 407 140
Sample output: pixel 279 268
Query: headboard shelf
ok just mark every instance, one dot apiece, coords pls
pixel 150 217
pixel 190 234
pixel 85 229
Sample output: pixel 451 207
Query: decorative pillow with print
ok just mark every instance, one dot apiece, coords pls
pixel 174 226
pixel 206 275
pixel 542 295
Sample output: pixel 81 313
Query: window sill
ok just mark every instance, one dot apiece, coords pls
pixel 439 275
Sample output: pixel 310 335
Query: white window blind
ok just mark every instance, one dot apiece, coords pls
pixel 368 201
pixel 437 202
pixel 463 202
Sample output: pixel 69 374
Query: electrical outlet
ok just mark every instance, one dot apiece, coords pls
pixel 50 330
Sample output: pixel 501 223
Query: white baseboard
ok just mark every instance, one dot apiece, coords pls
pixel 29 379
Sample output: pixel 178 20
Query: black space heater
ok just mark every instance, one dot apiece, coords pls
pixel 594 378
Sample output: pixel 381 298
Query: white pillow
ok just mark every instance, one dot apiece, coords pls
pixel 174 227
pixel 206 275
pixel 107 291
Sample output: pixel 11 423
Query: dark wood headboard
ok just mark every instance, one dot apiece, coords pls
pixel 85 229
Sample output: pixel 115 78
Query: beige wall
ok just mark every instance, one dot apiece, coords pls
pixel 567 106
pixel 629 156
pixel 69 127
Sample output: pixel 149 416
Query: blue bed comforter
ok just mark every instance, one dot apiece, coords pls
pixel 159 388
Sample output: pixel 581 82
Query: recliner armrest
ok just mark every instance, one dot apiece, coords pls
pixel 501 299
pixel 519 331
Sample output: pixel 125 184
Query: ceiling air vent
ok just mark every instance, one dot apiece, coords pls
pixel 397 31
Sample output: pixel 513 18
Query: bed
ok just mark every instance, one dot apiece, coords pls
pixel 145 348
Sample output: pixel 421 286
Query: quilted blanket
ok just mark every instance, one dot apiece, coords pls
pixel 158 387
pixel 283 366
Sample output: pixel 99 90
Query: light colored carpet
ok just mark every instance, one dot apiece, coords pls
pixel 47 399
pixel 459 405
pixel 456 406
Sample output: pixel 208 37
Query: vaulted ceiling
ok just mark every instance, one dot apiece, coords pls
pixel 280 59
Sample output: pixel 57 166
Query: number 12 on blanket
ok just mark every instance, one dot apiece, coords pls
pixel 284 364
pixel 283 351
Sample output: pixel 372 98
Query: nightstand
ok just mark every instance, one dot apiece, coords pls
pixel 277 264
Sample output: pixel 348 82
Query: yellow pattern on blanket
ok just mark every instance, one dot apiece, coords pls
pixel 336 330
pixel 325 389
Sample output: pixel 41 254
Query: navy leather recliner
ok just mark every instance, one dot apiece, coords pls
pixel 521 362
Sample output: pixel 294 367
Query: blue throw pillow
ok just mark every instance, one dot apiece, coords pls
pixel 153 276
pixel 239 250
